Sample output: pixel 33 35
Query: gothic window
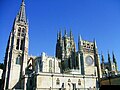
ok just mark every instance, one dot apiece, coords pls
pixel 92 46
pixel 21 46
pixel 17 44
pixel 69 80
pixel 113 68
pixel 18 34
pixel 57 81
pixel 107 68
pixel 18 59
pixel 50 66
pixel 62 85
pixel 84 44
pixel 79 82
pixel 19 29
pixel 23 32
pixel 88 46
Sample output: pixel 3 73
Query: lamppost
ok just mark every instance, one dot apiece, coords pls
pixel 84 81
pixel 52 81
pixel 109 77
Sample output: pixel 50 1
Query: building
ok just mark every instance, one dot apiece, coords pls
pixel 1 73
pixel 16 52
pixel 69 69
pixel 109 68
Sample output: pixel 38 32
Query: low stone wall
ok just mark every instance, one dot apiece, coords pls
pixel 111 81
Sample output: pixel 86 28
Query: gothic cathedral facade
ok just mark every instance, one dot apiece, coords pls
pixel 69 69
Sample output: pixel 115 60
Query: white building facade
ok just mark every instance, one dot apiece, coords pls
pixel 1 71
pixel 68 69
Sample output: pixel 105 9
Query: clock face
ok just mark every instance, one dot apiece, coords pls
pixel 89 60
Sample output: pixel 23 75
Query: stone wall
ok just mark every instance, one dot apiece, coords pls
pixel 68 81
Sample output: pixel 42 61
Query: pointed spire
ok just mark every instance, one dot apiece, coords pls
pixel 63 48
pixel 65 33
pixel 114 59
pixel 102 61
pixel 109 57
pixel 95 45
pixel 21 17
pixel 23 1
pixel 79 38
pixel 102 58
pixel 60 37
pixel 71 34
pixel 80 43
pixel 60 34
pixel 57 35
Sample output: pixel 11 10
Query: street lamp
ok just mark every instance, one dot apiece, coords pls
pixel 84 82
pixel 52 81
pixel 109 77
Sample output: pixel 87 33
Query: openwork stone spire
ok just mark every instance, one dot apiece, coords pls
pixel 21 17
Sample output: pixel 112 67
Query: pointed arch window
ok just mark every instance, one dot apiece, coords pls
pixel 18 59
pixel 107 68
pixel 113 67
pixel 19 29
pixel 79 82
pixel 22 44
pixel 18 34
pixel 23 32
pixel 69 80
pixel 17 44
pixel 57 81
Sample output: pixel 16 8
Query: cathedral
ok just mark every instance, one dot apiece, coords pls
pixel 109 68
pixel 69 69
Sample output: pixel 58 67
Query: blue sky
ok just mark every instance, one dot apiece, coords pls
pixel 99 19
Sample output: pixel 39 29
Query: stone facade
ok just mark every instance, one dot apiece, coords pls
pixel 16 53
pixel 1 71
pixel 46 63
pixel 69 69
pixel 109 68
pixel 57 81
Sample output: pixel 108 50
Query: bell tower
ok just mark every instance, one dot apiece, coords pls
pixel 89 58
pixel 65 50
pixel 16 52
